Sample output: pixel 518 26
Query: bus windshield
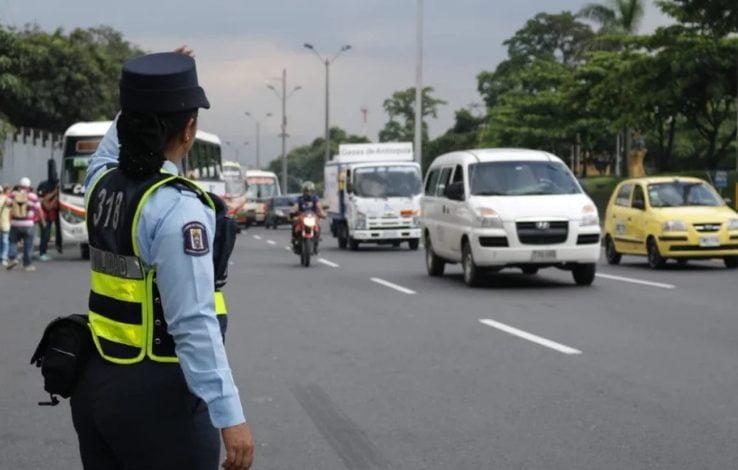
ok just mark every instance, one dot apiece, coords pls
pixel 234 184
pixel 74 169
pixel 261 187
pixel 387 181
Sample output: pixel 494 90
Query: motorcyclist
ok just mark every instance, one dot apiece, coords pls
pixel 307 201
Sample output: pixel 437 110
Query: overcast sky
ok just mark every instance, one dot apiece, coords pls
pixel 242 44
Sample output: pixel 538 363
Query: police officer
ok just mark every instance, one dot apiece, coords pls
pixel 159 386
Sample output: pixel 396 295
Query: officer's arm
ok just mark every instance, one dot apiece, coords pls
pixel 184 264
pixel 107 152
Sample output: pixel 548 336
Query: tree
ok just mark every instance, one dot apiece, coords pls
pixel 714 17
pixel 558 37
pixel 616 16
pixel 401 110
pixel 51 80
pixel 463 135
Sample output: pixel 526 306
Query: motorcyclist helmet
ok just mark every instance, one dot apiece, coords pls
pixel 308 188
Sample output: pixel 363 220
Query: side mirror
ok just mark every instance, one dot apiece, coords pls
pixel 455 191
pixel 640 205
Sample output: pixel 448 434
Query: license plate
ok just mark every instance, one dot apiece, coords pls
pixel 391 234
pixel 543 255
pixel 709 242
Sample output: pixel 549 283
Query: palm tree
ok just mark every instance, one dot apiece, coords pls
pixel 616 16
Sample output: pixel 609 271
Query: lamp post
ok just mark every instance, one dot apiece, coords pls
pixel 327 62
pixel 236 149
pixel 284 97
pixel 419 86
pixel 258 133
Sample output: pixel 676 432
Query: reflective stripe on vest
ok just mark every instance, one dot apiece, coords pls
pixel 122 306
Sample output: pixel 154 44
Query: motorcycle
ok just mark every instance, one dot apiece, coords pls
pixel 307 236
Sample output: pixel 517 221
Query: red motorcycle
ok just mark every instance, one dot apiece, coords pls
pixel 306 236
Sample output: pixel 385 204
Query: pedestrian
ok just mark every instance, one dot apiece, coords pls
pixel 158 386
pixel 4 225
pixel 48 191
pixel 25 210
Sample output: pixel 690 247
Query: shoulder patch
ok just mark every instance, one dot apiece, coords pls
pixel 195 239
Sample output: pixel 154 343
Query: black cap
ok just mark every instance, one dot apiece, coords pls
pixel 161 83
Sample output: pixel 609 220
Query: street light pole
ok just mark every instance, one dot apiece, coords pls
pixel 327 63
pixel 258 135
pixel 419 86
pixel 284 97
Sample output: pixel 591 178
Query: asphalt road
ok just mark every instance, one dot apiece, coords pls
pixel 362 361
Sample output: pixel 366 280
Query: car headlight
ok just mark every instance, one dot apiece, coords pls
pixel 488 218
pixel 733 224
pixel 674 226
pixel 589 216
pixel 279 213
pixel 360 221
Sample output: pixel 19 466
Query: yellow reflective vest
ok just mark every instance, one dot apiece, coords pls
pixel 125 312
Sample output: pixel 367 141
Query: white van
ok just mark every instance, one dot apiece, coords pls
pixel 499 208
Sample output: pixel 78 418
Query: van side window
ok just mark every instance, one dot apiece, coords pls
pixel 443 181
pixel 431 182
pixel 623 198
pixel 458 175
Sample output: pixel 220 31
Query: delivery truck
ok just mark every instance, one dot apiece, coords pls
pixel 372 192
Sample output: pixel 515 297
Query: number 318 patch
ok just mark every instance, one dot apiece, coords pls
pixel 195 239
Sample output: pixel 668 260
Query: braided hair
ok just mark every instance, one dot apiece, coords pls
pixel 144 137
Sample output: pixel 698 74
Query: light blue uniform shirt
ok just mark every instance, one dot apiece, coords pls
pixel 186 286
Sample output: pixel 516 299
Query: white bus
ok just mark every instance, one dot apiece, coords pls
pixel 203 164
pixel 260 186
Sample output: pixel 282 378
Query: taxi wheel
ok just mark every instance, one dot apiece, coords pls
pixel 433 263
pixel 530 270
pixel 655 260
pixel 682 262
pixel 353 244
pixel 472 275
pixel 612 255
pixel 731 262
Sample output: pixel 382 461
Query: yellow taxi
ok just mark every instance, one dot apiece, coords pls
pixel 665 218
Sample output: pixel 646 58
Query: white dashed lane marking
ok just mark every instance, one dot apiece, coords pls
pixel 392 285
pixel 327 263
pixel 562 348
pixel 631 280
pixel 257 237
pixel 271 242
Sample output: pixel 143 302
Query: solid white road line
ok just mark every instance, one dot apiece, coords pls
pixel 271 242
pixel 636 281
pixel 327 263
pixel 391 285
pixel 257 237
pixel 530 337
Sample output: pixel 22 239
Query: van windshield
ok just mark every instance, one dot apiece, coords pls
pixel 387 181
pixel 523 178
pixel 682 193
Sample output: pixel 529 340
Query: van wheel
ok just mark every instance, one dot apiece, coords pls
pixel 584 274
pixel 433 263
pixel 731 262
pixel 530 270
pixel 612 255
pixel 655 260
pixel 472 276
pixel 84 251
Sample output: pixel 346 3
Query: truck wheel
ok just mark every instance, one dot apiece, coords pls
pixel 84 251
pixel 433 263
pixel 414 244
pixel 584 274
pixel 342 235
pixel 353 243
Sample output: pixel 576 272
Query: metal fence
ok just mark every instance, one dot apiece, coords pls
pixel 25 153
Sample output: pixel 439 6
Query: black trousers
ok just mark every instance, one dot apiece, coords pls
pixel 141 417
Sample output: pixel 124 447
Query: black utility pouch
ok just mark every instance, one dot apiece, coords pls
pixel 62 353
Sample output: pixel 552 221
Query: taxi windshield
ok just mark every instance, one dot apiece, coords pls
pixel 521 178
pixel 682 194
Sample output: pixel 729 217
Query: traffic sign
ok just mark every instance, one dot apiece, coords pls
pixel 721 179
